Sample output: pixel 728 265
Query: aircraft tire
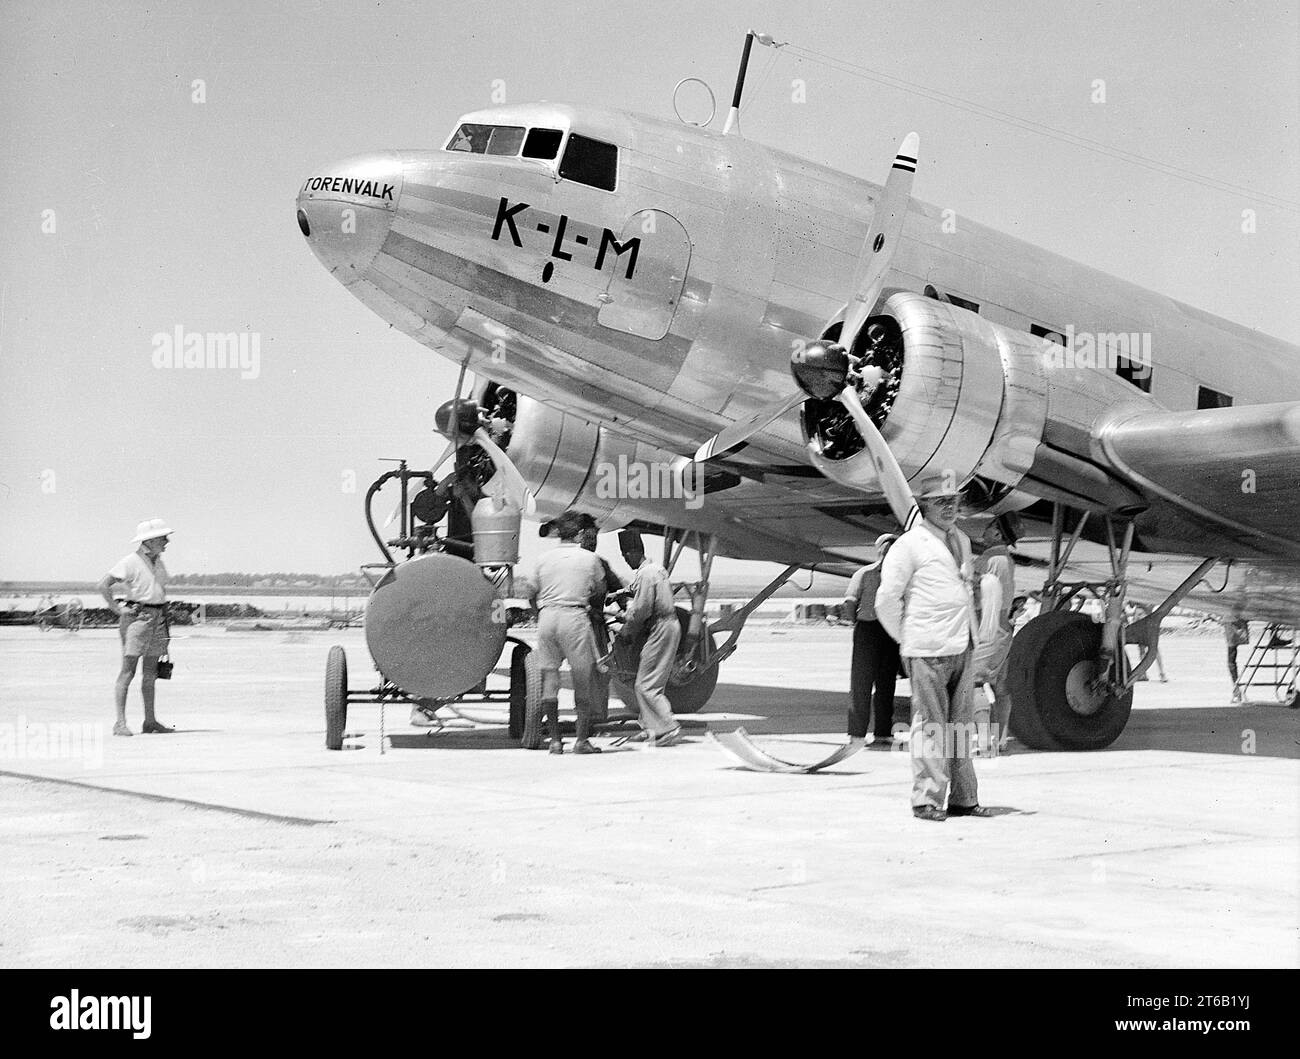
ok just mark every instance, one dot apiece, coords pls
pixel 691 695
pixel 525 689
pixel 1292 700
pixel 1045 670
pixel 531 737
pixel 336 697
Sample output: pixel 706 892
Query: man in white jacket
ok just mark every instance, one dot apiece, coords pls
pixel 925 602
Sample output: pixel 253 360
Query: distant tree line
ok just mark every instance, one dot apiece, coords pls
pixel 272 580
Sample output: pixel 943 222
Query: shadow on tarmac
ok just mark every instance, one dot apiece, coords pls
pixel 1261 729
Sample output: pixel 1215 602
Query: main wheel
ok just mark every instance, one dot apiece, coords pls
pixel 525 689
pixel 689 685
pixel 1050 672
pixel 336 697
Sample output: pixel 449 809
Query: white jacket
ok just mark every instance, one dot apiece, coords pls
pixel 925 600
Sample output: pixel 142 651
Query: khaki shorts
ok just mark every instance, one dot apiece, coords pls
pixel 143 631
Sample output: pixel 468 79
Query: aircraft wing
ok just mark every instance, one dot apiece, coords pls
pixel 1232 473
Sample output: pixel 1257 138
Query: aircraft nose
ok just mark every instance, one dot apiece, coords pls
pixel 346 209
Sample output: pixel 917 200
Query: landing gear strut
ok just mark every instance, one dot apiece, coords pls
pixel 1070 680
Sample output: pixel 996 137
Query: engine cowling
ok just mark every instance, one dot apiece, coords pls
pixel 962 396
pixel 570 462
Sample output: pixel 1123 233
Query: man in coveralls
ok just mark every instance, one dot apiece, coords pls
pixel 652 616
pixel 568 579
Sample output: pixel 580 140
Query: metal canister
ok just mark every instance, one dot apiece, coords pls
pixel 496 524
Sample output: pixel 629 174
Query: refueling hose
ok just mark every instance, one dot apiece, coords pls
pixel 375 486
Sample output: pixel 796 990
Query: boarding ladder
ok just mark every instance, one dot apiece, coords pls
pixel 1274 662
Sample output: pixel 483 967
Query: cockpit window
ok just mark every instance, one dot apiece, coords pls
pixel 590 162
pixel 542 143
pixel 487 139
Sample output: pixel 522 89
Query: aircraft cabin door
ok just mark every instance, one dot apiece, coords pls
pixel 643 293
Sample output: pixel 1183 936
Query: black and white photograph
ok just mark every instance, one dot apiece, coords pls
pixel 651 486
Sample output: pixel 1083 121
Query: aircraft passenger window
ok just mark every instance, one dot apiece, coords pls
pixel 542 143
pixel 487 139
pixel 962 303
pixel 1135 372
pixel 1047 333
pixel 590 162
pixel 1207 398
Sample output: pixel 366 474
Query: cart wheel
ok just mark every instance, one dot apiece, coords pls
pixel 336 697
pixel 525 684
pixel 532 735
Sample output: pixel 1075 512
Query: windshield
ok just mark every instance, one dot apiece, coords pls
pixel 506 140
pixel 487 139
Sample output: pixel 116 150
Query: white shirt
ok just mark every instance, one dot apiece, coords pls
pixel 144 583
pixel 925 600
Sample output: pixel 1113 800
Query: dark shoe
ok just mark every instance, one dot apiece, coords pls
pixel 969 810
pixel 557 746
pixel 121 729
pixel 156 728
pixel 929 812
pixel 583 746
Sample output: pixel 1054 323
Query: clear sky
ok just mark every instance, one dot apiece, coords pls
pixel 167 212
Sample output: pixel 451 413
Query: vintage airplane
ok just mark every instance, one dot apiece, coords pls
pixel 636 289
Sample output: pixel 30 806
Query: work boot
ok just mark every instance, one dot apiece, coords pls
pixel 583 746
pixel 557 746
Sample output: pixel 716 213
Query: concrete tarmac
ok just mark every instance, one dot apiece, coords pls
pixel 240 841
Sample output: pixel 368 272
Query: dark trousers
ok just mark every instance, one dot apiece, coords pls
pixel 874 674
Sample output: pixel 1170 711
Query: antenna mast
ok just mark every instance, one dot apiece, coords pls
pixel 733 115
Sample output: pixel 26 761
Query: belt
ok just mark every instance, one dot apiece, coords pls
pixel 564 603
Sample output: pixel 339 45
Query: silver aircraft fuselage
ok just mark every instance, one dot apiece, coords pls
pixel 741 252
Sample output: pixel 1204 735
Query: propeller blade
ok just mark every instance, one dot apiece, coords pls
pixel 447 453
pixel 516 488
pixel 892 479
pixel 878 250
pixel 737 434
